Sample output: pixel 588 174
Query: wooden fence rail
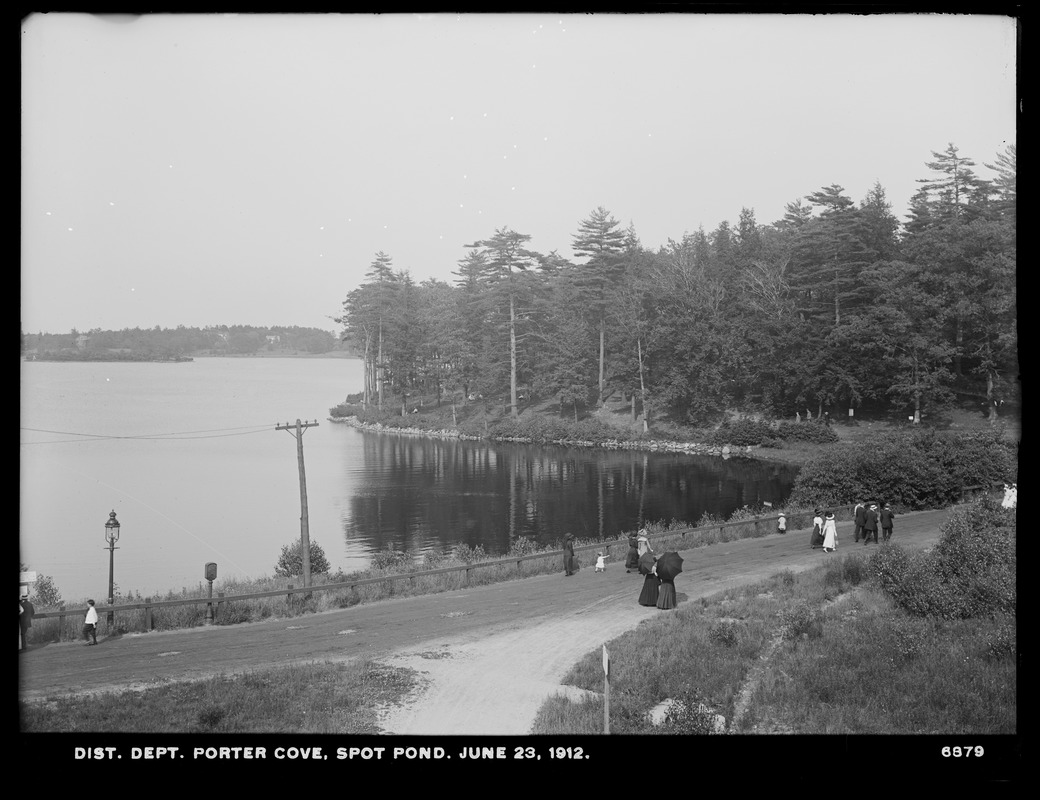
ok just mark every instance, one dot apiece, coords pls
pixel 795 520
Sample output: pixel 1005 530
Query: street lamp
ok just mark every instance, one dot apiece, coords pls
pixel 111 536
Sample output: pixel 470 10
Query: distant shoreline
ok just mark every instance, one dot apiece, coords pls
pixel 181 359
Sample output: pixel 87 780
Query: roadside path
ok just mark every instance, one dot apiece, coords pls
pixel 488 657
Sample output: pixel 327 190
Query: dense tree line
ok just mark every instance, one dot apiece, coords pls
pixel 836 305
pixel 181 341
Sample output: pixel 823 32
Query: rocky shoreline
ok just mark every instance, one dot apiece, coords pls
pixel 652 445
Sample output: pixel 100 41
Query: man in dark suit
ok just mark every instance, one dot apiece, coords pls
pixel 886 517
pixel 861 515
pixel 870 521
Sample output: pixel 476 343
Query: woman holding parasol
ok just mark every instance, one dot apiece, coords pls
pixel 668 566
pixel 648 567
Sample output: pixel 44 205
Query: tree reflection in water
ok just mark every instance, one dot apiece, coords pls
pixel 422 494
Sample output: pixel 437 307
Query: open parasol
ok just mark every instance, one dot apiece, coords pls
pixel 669 565
pixel 646 562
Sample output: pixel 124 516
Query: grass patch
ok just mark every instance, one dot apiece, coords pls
pixel 306 698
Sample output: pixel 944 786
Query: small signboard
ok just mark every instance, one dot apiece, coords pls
pixel 606 661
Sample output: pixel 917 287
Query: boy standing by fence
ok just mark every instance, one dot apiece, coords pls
pixel 90 624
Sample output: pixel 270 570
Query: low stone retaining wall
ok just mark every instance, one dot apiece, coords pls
pixel 653 445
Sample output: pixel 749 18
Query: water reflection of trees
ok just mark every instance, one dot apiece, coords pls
pixel 422 494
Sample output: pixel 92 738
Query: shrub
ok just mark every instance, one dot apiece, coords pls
pixel 801 621
pixel 689 715
pixel 522 546
pixel 741 433
pixel 290 562
pixel 390 560
pixel 723 633
pixel 1002 643
pixel 970 573
pixel 847 571
pixel 920 469
pixel 45 593
pixel 976 556
pixel 465 554
pixel 816 433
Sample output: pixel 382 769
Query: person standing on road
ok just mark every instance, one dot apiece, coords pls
pixel 887 516
pixel 90 624
pixel 666 597
pixel 568 554
pixel 25 621
pixel 817 530
pixel 651 583
pixel 830 533
pixel 870 521
pixel 781 523
pixel 860 512
pixel 632 559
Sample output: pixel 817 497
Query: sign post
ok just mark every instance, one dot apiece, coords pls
pixel 211 575
pixel 606 690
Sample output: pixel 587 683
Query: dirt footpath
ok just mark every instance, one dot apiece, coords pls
pixel 487 657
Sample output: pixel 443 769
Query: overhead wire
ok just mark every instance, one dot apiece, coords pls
pixel 213 433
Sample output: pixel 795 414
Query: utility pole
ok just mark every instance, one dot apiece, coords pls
pixel 305 536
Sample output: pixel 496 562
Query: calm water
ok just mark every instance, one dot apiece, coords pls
pixel 189 458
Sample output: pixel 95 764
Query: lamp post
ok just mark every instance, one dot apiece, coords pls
pixel 111 536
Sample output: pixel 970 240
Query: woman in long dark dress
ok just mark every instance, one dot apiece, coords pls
pixel 666 595
pixel 568 554
pixel 632 560
pixel 651 583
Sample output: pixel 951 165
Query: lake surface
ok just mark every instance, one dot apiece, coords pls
pixel 189 458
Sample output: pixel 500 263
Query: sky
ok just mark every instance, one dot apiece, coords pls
pixel 221 169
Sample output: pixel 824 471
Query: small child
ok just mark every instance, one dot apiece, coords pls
pixel 601 562
pixel 781 524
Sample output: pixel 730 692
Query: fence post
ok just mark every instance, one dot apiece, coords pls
pixel 756 526
pixel 61 619
pixel 220 599
pixel 148 613
pixel 288 598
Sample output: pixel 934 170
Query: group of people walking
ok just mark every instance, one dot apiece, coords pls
pixel 868 520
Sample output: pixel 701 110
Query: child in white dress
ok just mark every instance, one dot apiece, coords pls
pixel 601 562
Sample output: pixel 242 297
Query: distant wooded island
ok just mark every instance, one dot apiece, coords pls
pixel 179 344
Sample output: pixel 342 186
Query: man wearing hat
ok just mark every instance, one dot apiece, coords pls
pixel 860 512
pixel 870 520
pixel 886 516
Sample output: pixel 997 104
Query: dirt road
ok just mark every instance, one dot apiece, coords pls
pixel 488 657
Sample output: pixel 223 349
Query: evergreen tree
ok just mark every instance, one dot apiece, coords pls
pixel 505 257
pixel 600 240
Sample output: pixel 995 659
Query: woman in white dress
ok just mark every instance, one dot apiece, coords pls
pixel 830 533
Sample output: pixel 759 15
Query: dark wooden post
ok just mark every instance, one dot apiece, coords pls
pixel 148 614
